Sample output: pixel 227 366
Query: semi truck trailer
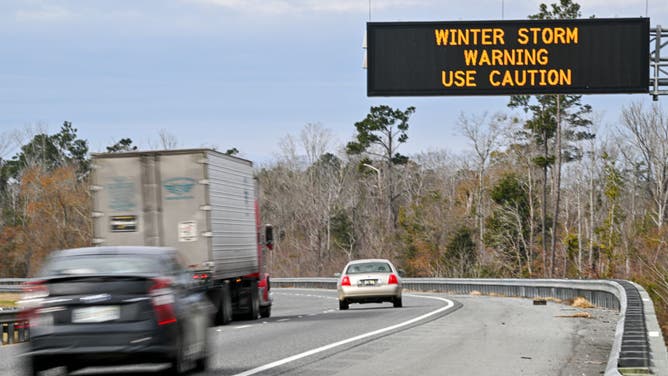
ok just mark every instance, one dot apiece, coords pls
pixel 201 202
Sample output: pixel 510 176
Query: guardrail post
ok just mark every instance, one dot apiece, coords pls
pixel 10 333
pixel 24 332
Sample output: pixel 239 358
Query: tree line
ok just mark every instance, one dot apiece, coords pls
pixel 533 198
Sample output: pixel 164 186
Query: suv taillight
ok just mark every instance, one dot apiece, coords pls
pixel 163 300
pixel 345 281
pixel 392 280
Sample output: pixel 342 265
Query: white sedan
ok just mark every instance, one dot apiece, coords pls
pixel 369 281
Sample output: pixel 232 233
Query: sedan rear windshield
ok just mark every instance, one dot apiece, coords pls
pixel 103 264
pixel 369 267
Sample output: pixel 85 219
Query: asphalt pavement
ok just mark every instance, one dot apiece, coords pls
pixel 433 334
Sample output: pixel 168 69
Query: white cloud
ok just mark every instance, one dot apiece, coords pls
pixel 307 6
pixel 623 8
pixel 44 13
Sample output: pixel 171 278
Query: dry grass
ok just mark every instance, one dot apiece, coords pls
pixel 578 315
pixel 581 302
pixel 9 299
pixel 475 293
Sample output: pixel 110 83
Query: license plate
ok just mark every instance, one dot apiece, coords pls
pixel 95 314
pixel 368 282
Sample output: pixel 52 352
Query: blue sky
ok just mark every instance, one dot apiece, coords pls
pixel 234 73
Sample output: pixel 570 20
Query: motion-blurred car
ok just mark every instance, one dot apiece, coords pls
pixel 369 281
pixel 109 306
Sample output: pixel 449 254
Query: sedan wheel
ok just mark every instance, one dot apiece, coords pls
pixel 38 365
pixel 201 363
pixel 397 302
pixel 179 364
pixel 203 359
pixel 343 305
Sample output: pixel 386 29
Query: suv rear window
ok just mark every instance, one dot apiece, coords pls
pixel 103 264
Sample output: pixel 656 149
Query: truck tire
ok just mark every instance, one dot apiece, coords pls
pixel 223 306
pixel 226 304
pixel 265 311
pixel 254 303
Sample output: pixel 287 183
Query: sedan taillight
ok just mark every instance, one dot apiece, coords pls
pixel 32 296
pixel 392 280
pixel 163 300
pixel 345 281
pixel 34 290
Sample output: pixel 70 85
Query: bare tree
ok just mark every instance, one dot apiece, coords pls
pixel 166 141
pixel 5 144
pixel 648 136
pixel 309 188
pixel 316 141
pixel 484 135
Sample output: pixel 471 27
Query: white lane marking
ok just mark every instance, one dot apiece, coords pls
pixel 289 359
pixel 307 295
pixel 281 320
pixel 242 326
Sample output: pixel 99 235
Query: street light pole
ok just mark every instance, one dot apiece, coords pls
pixel 380 187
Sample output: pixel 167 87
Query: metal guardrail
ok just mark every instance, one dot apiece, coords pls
pixel 13 329
pixel 638 347
pixel 11 284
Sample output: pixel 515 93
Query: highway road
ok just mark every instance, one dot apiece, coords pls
pixel 433 334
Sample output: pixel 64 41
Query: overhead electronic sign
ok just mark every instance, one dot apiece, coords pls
pixel 508 57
